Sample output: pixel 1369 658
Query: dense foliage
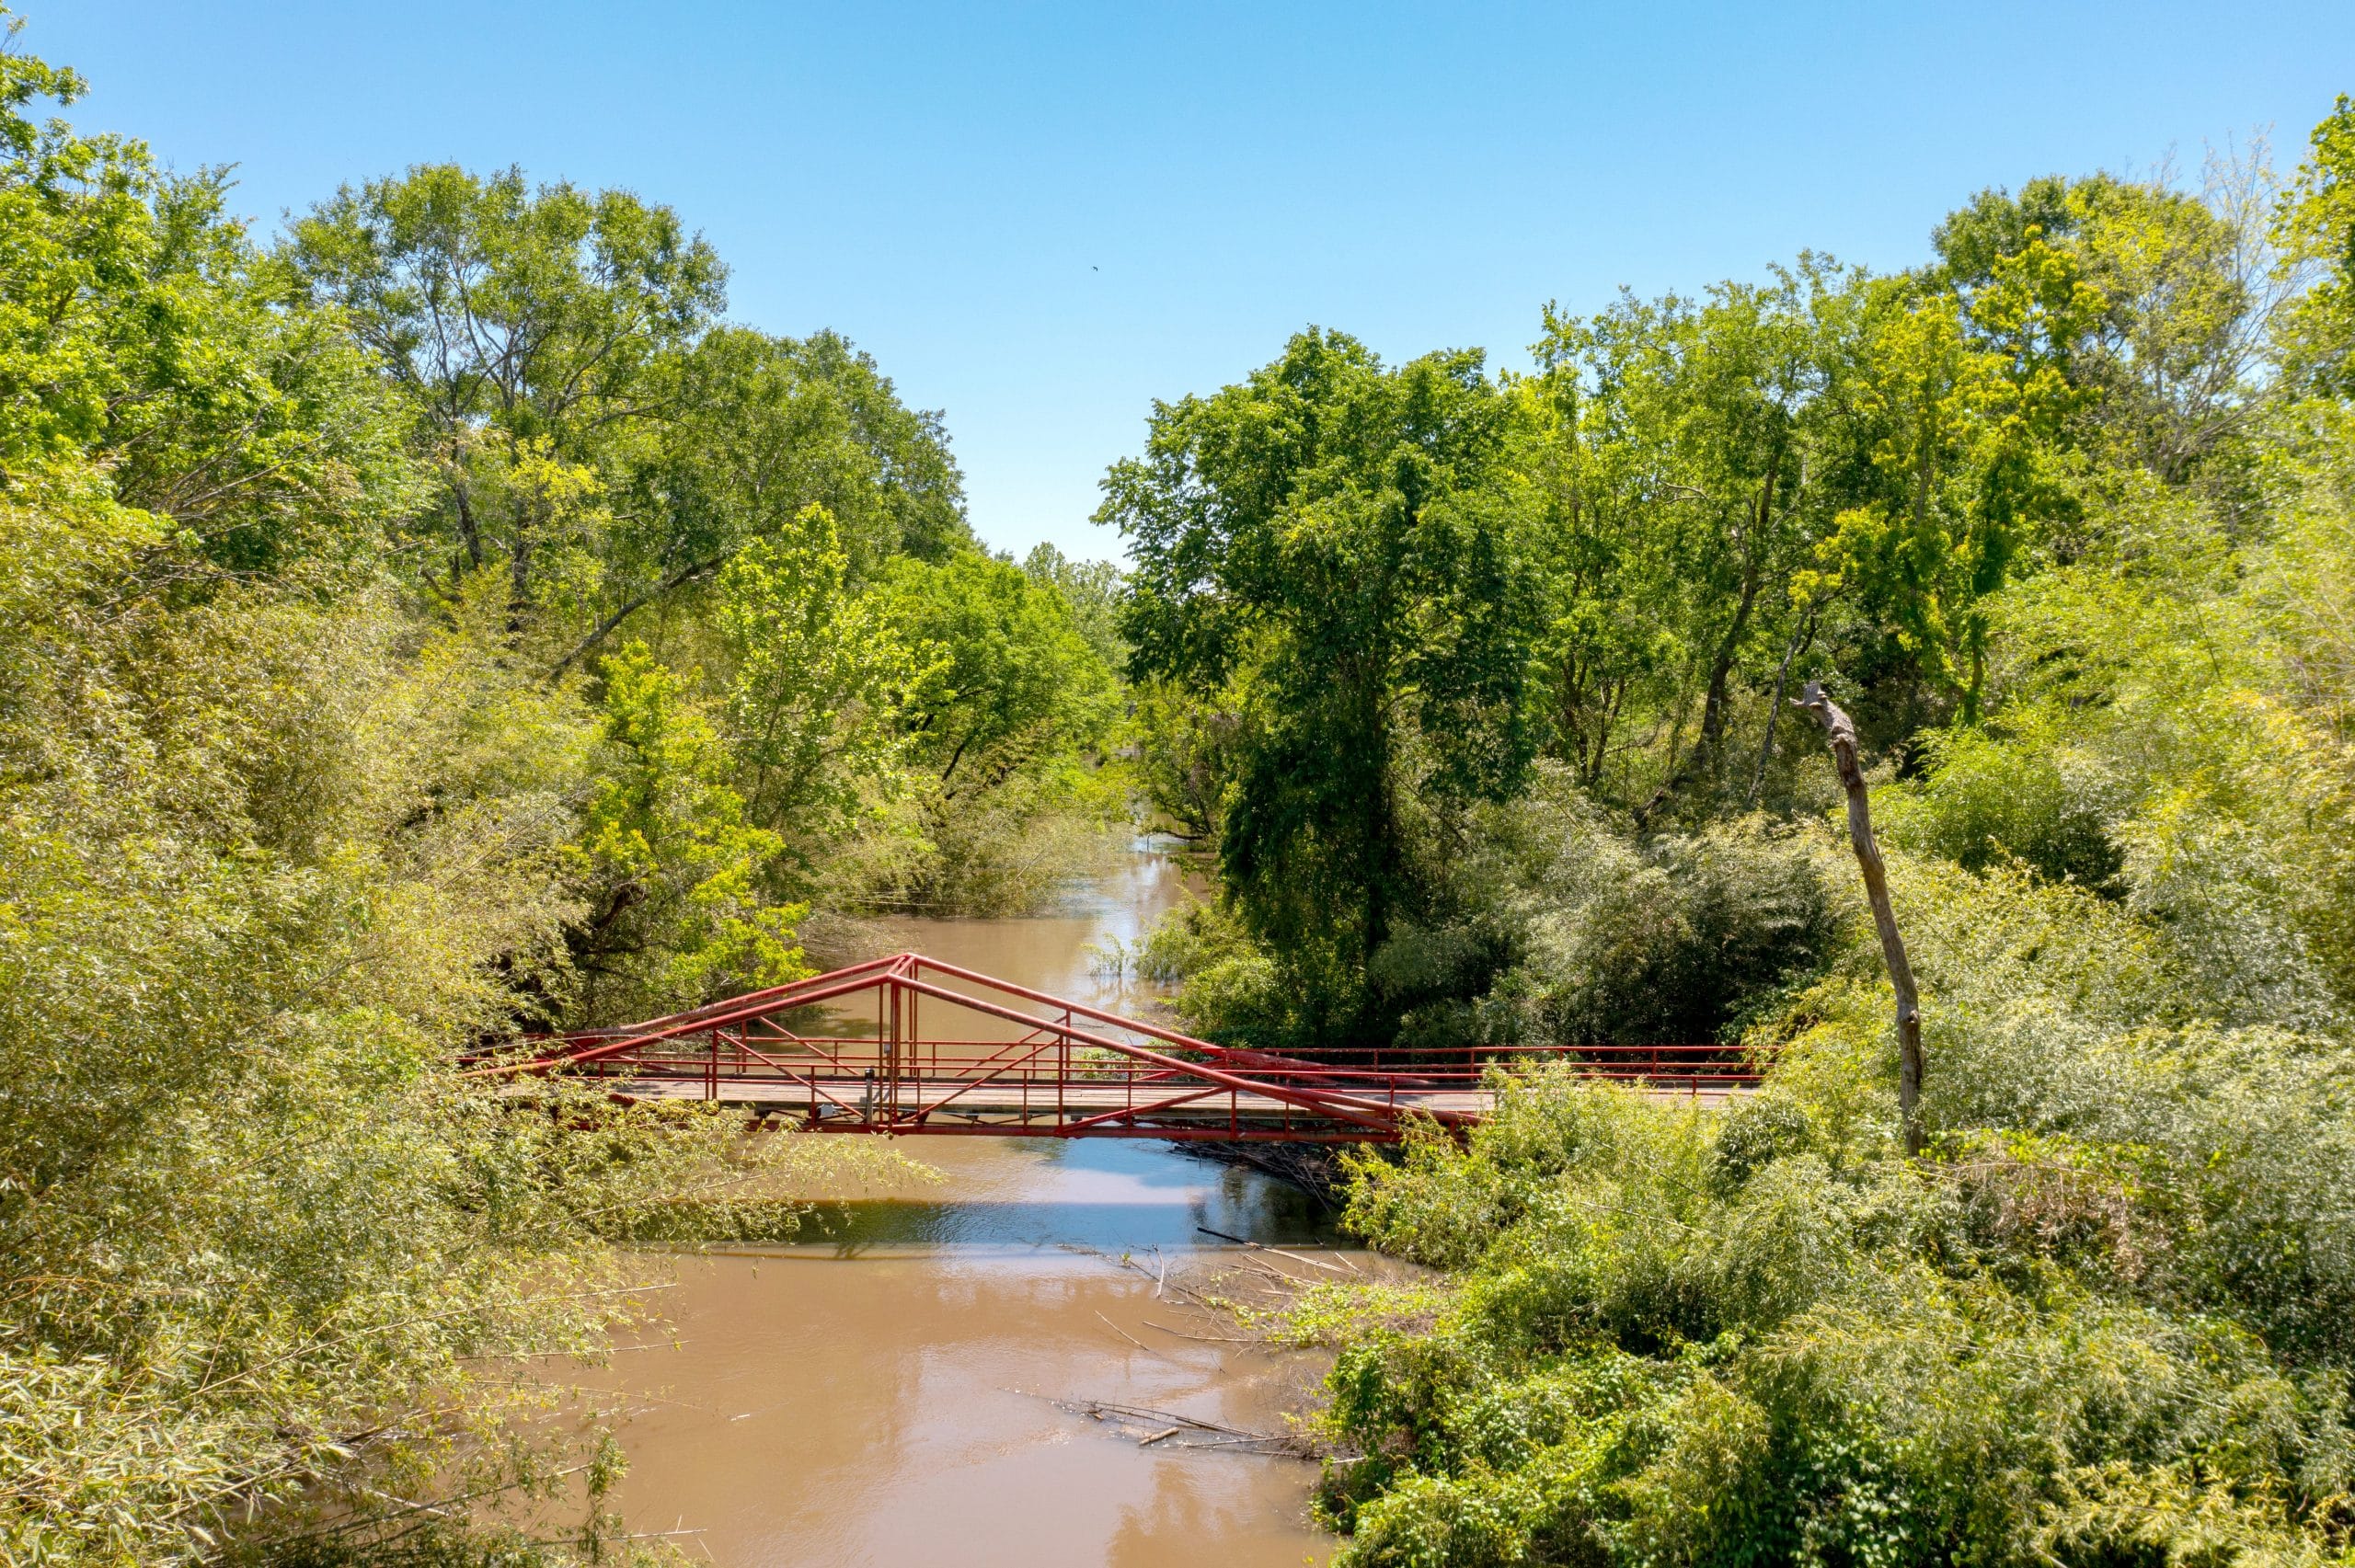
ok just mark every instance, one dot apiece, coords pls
pixel 2067 520
pixel 2000 505
pixel 437 624
pixel 1321 542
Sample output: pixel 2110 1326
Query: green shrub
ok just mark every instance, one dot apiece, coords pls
pixel 1677 1340
pixel 2105 1321
pixel 2033 800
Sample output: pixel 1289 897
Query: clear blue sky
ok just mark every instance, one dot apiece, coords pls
pixel 1040 218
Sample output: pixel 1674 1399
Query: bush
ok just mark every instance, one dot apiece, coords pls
pixel 1675 941
pixel 1227 986
pixel 1984 803
pixel 1613 940
pixel 1679 1341
pixel 2107 1320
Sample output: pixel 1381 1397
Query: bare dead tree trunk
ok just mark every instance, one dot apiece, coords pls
pixel 1840 733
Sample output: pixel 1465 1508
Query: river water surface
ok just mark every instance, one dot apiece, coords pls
pixel 882 1392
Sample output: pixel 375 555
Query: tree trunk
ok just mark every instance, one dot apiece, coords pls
pixel 1753 550
pixel 469 533
pixel 587 645
pixel 1713 707
pixel 1840 733
pixel 1805 636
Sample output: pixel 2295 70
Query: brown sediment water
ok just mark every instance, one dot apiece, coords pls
pixel 882 1391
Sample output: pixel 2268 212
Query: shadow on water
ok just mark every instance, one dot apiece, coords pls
pixel 1098 1193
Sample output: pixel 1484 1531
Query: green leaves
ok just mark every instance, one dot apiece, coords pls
pixel 823 681
pixel 1010 677
pixel 2056 518
pixel 542 312
pixel 1962 413
pixel 673 867
pixel 530 334
pixel 1327 545
pixel 141 334
pixel 1680 459
pixel 73 212
pixel 1819 1360
pixel 2316 224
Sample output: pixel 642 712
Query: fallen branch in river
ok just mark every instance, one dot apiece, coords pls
pixel 1262 1247
pixel 1205 1338
pixel 1256 1266
pixel 1127 1335
pixel 1124 1260
pixel 1105 1410
pixel 1150 1421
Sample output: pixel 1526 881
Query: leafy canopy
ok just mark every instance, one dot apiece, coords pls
pixel 1331 541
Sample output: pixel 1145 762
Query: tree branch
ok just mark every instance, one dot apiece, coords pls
pixel 587 645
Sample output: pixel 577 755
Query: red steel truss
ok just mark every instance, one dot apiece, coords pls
pixel 950 1052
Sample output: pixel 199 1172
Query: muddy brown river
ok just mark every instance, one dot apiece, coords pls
pixel 882 1392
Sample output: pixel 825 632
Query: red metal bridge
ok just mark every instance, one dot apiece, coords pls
pixel 909 1045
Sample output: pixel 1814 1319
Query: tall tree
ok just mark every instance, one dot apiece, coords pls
pixel 1091 590
pixel 1682 486
pixel 1332 540
pixel 1012 678
pixel 523 323
pixel 1956 437
pixel 819 688
pixel 755 430
pixel 2317 226
pixel 2157 304
pixel 145 345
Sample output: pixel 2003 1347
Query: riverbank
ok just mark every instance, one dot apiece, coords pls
pixel 912 1377
pixel 907 1383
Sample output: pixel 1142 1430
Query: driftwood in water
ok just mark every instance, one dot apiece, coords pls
pixel 1310 1167
pixel 1161 1426
pixel 1840 734
pixel 1263 1247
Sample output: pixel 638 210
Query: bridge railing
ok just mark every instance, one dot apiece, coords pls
pixel 954 1050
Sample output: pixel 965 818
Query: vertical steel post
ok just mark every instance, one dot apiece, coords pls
pixel 892 1093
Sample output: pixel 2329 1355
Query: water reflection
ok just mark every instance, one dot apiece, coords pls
pixel 874 1394
pixel 1095 1193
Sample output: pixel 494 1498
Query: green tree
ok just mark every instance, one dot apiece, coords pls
pixel 1332 541
pixel 1604 649
pixel 1013 680
pixel 820 682
pixel 672 868
pixel 2176 293
pixel 272 856
pixel 597 433
pixel 521 323
pixel 2316 226
pixel 140 331
pixel 756 428
pixel 1682 473
pixel 1185 754
pixel 1091 591
pixel 1959 415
